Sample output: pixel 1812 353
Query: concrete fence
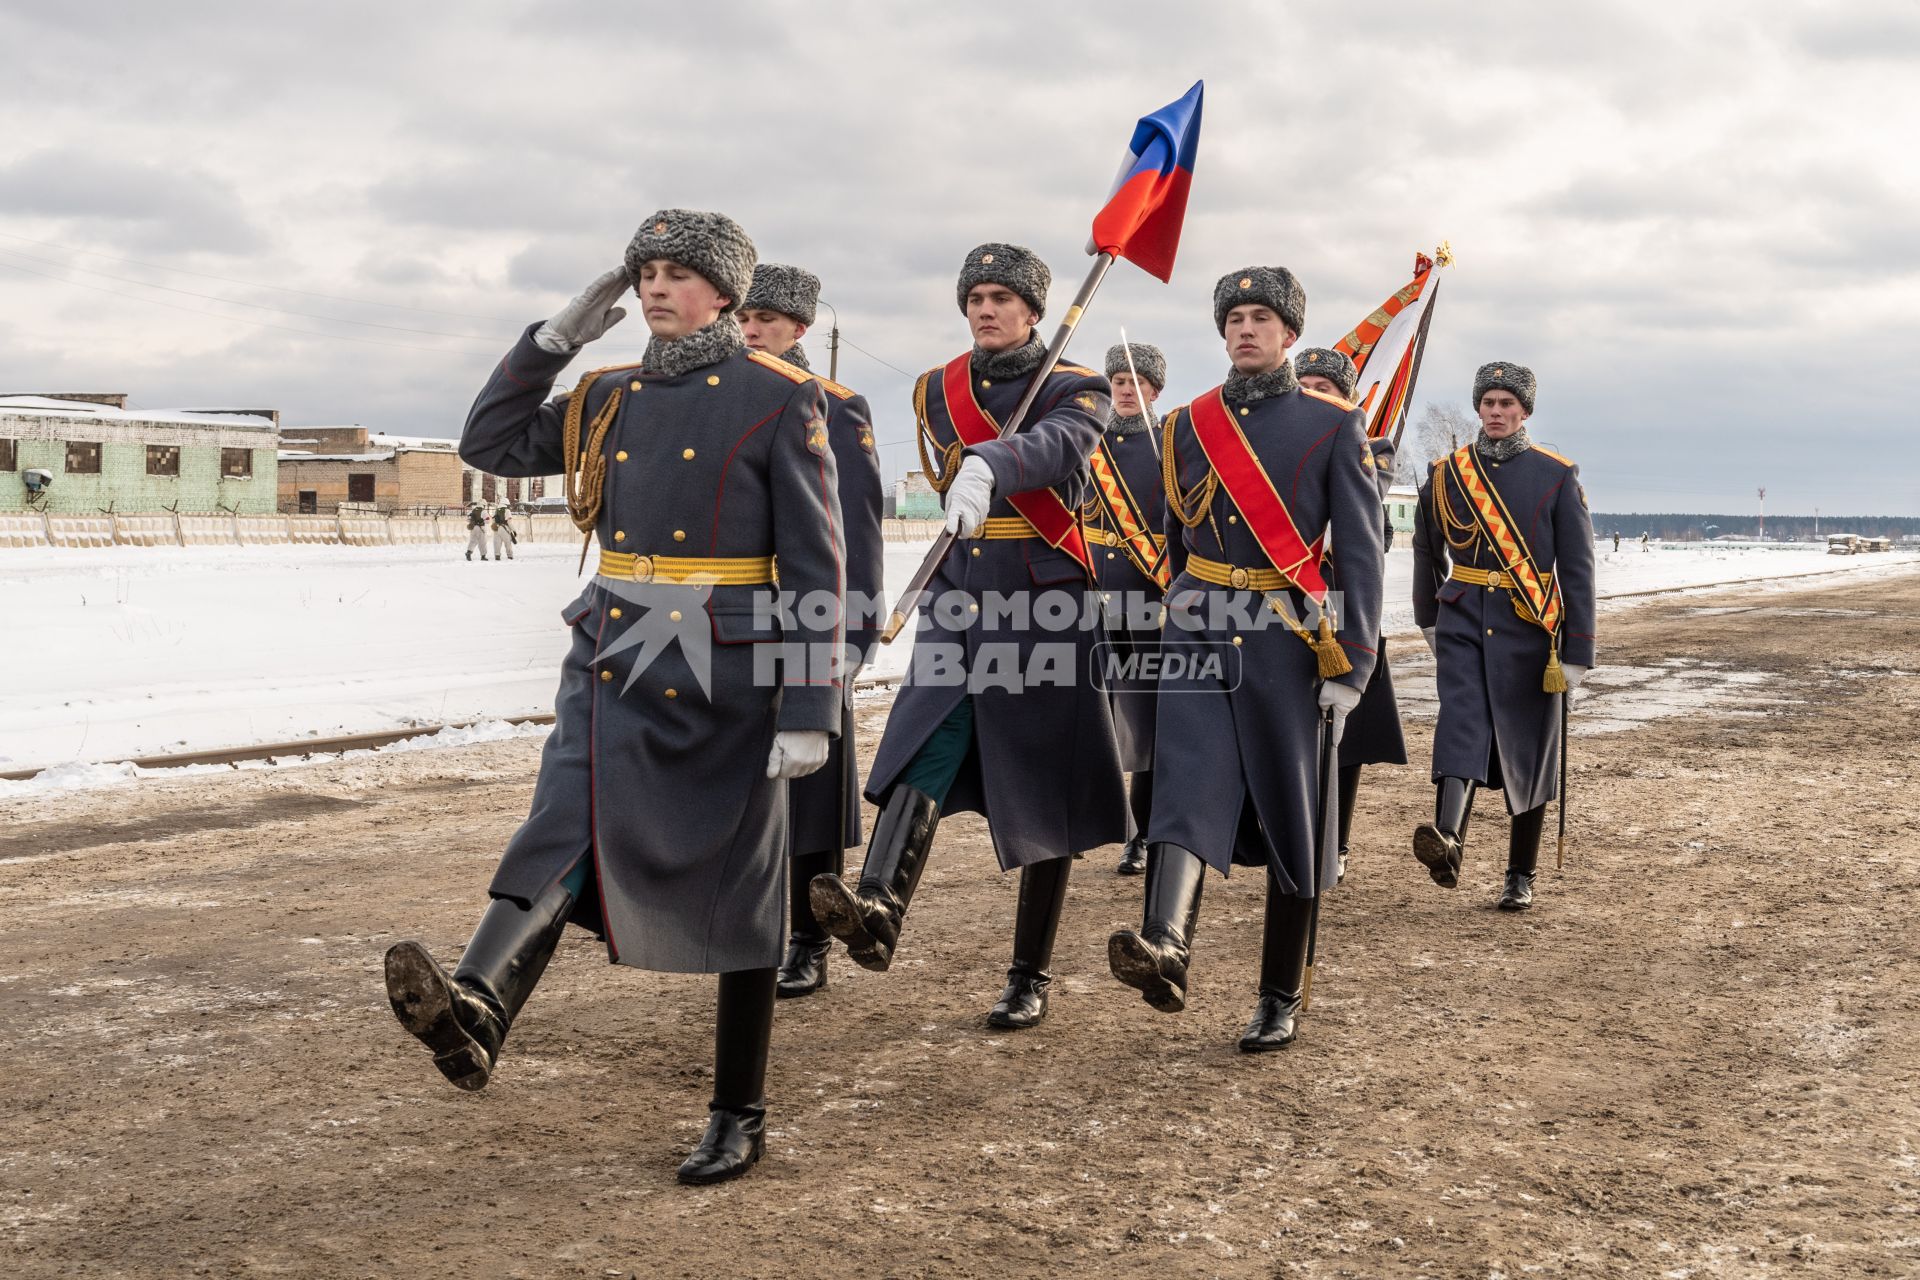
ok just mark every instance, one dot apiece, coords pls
pixel 354 529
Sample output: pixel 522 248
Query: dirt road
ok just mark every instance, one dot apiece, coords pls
pixel 1696 1057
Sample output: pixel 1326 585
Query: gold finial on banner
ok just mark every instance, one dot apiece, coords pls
pixel 1443 256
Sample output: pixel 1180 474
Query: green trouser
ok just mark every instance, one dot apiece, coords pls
pixel 576 880
pixel 934 767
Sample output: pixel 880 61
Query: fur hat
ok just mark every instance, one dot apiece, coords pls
pixel 1018 268
pixel 711 243
pixel 1516 378
pixel 1148 361
pixel 1274 287
pixel 792 291
pixel 1324 362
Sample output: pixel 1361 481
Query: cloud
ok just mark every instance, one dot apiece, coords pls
pixel 146 206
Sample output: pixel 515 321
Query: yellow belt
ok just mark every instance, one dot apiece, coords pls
pixel 743 571
pixel 1007 527
pixel 1110 538
pixel 1492 577
pixel 1236 576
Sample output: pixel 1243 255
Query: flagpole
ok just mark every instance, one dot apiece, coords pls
pixel 943 543
pixel 1419 354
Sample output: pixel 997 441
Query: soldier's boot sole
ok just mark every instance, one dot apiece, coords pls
pixel 1438 853
pixel 422 998
pixel 1136 962
pixel 843 913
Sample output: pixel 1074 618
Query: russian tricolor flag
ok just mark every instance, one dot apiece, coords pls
pixel 1142 217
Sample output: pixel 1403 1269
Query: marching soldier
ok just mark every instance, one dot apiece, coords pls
pixel 659 818
pixel 824 806
pixel 1372 734
pixel 503 535
pixel 476 531
pixel 1126 511
pixel 997 714
pixel 1253 469
pixel 1503 592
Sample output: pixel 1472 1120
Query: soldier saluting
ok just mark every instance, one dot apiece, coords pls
pixel 1258 473
pixel 1127 509
pixel 659 817
pixel 1503 591
pixel 824 806
pixel 997 714
pixel 1372 734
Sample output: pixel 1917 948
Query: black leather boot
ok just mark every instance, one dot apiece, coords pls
pixel 1154 960
pixel 868 918
pixel 1043 892
pixel 1523 855
pixel 804 971
pixel 1133 861
pixel 1440 844
pixel 1349 778
pixel 464 1017
pixel 737 1117
pixel 1283 970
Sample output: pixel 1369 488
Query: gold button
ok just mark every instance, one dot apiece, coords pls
pixel 1109 555
pixel 620 456
pixel 674 616
pixel 976 551
pixel 1489 630
pixel 974 608
pixel 1233 519
pixel 1236 639
pixel 619 536
pixel 986 382
pixel 687 454
pixel 614 612
pixel 1243 412
pixel 634 385
pixel 679 535
pixel 605 676
pixel 713 379
pixel 673 693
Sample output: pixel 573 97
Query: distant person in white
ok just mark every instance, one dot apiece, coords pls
pixel 476 531
pixel 503 535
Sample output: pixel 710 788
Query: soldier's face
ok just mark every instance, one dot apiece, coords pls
pixel 1131 394
pixel 1501 414
pixel 1257 340
pixel 676 300
pixel 770 331
pixel 1325 386
pixel 1000 318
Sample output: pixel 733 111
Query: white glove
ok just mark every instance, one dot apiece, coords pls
pixel 797 752
pixel 587 317
pixel 1426 633
pixel 968 498
pixel 1342 698
pixel 1574 673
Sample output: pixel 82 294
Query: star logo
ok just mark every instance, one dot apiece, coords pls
pixel 665 614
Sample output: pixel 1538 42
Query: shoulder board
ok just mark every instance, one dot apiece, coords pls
pixel 834 388
pixel 791 372
pixel 1077 369
pixel 1563 461
pixel 1330 398
pixel 592 376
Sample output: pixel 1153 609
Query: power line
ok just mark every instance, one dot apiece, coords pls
pixel 258 324
pixel 869 355
pixel 251 284
pixel 255 306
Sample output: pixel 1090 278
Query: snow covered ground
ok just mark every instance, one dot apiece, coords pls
pixel 121 652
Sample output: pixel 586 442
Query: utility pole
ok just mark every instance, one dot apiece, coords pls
pixel 1763 513
pixel 833 345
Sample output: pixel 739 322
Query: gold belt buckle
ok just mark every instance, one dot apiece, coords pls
pixel 1495 578
pixel 643 568
pixel 1237 579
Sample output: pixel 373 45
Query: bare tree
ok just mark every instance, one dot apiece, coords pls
pixel 1438 431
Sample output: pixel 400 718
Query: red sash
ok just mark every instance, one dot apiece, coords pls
pixel 1253 492
pixel 974 425
pixel 1542 600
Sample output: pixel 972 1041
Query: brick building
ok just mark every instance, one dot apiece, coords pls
pixel 325 468
pixel 103 456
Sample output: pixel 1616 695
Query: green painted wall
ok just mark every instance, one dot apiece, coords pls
pixel 123 482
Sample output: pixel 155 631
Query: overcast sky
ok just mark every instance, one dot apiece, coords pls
pixel 1699 224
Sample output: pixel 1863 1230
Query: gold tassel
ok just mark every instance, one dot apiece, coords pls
pixel 1332 661
pixel 1555 680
